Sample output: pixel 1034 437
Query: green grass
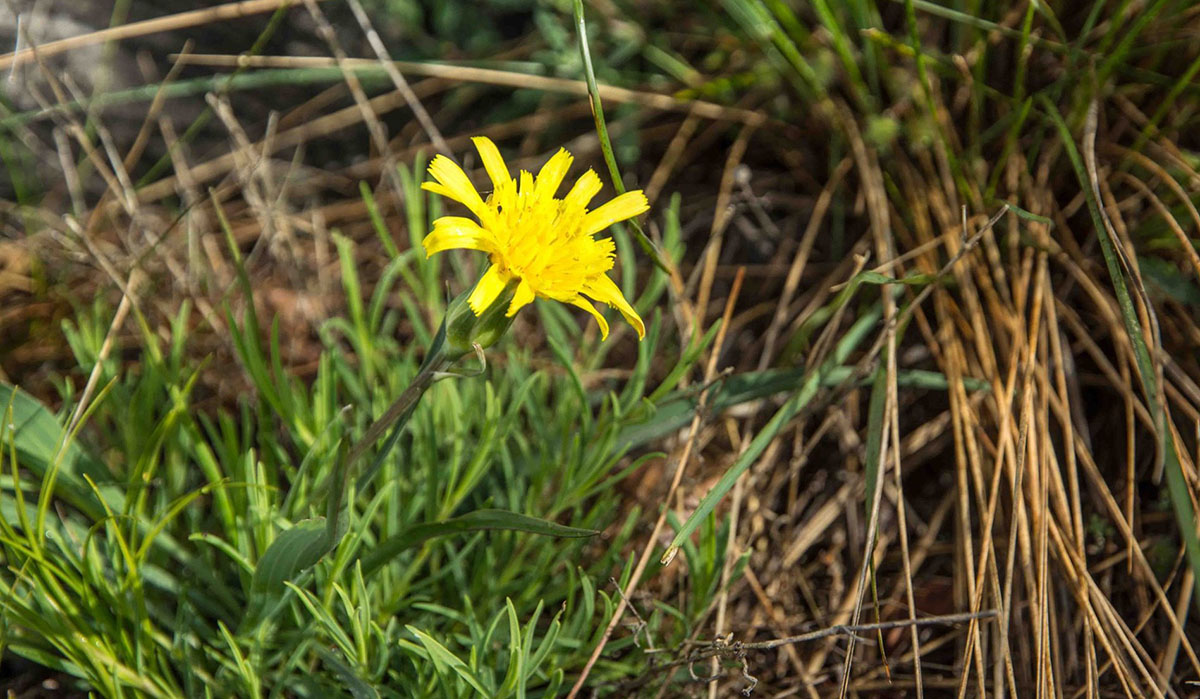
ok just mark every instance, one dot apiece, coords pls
pixel 141 576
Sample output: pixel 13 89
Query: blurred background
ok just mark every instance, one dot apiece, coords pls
pixel 924 333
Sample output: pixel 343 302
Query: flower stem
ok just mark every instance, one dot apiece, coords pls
pixel 606 149
pixel 401 409
pixel 395 417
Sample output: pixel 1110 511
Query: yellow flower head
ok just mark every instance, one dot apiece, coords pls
pixel 546 244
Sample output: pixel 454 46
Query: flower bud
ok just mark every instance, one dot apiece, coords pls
pixel 465 329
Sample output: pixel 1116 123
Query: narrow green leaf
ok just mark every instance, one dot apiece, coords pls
pixel 605 142
pixel 514 678
pixel 870 277
pixel 1027 215
pixel 757 446
pixel 470 522
pixel 444 661
pixel 1177 485
pixel 791 408
pixel 377 222
pixel 676 410
pixel 357 687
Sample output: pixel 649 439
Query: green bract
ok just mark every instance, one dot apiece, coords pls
pixel 464 329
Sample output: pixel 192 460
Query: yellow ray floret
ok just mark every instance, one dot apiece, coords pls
pixel 547 244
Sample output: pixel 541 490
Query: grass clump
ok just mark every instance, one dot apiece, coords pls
pixel 135 568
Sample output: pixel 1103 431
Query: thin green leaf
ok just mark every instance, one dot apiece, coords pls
pixel 605 142
pixel 479 520
pixel 789 410
pixel 444 661
pixel 1177 485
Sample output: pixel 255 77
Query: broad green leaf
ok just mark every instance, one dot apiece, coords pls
pixel 292 552
pixel 36 434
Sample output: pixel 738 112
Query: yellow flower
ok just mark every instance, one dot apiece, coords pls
pixel 546 244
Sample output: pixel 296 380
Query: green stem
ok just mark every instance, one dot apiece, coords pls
pixel 399 410
pixel 605 143
pixel 395 417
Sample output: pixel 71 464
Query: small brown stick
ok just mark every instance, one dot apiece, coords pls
pixel 1185 243
pixel 777 622
pixel 735 510
pixel 156 106
pixel 182 20
pixel 128 289
pixel 738 650
pixel 721 216
pixel 648 552
pixel 491 76
pixel 414 103
pixel 374 126
pixel 799 262
pixel 70 173
pixel 874 193
pixel 841 629
pixel 671 158
pixel 893 408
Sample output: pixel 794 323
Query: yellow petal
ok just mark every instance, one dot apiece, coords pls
pixel 489 287
pixel 587 186
pixel 492 162
pixel 526 183
pixel 459 222
pixel 605 290
pixel 522 297
pixel 624 207
pixel 456 232
pixel 452 182
pixel 550 177
pixel 440 241
pixel 586 305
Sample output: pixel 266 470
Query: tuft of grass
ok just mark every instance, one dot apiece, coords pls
pixel 140 578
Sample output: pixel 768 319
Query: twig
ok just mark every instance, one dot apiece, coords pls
pixel 490 76
pixel 385 60
pixel 735 509
pixel 865 628
pixel 648 551
pixel 374 126
pixel 157 25
pixel 721 647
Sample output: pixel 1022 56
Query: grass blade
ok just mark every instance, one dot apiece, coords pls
pixel 479 520
pixel 1177 485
